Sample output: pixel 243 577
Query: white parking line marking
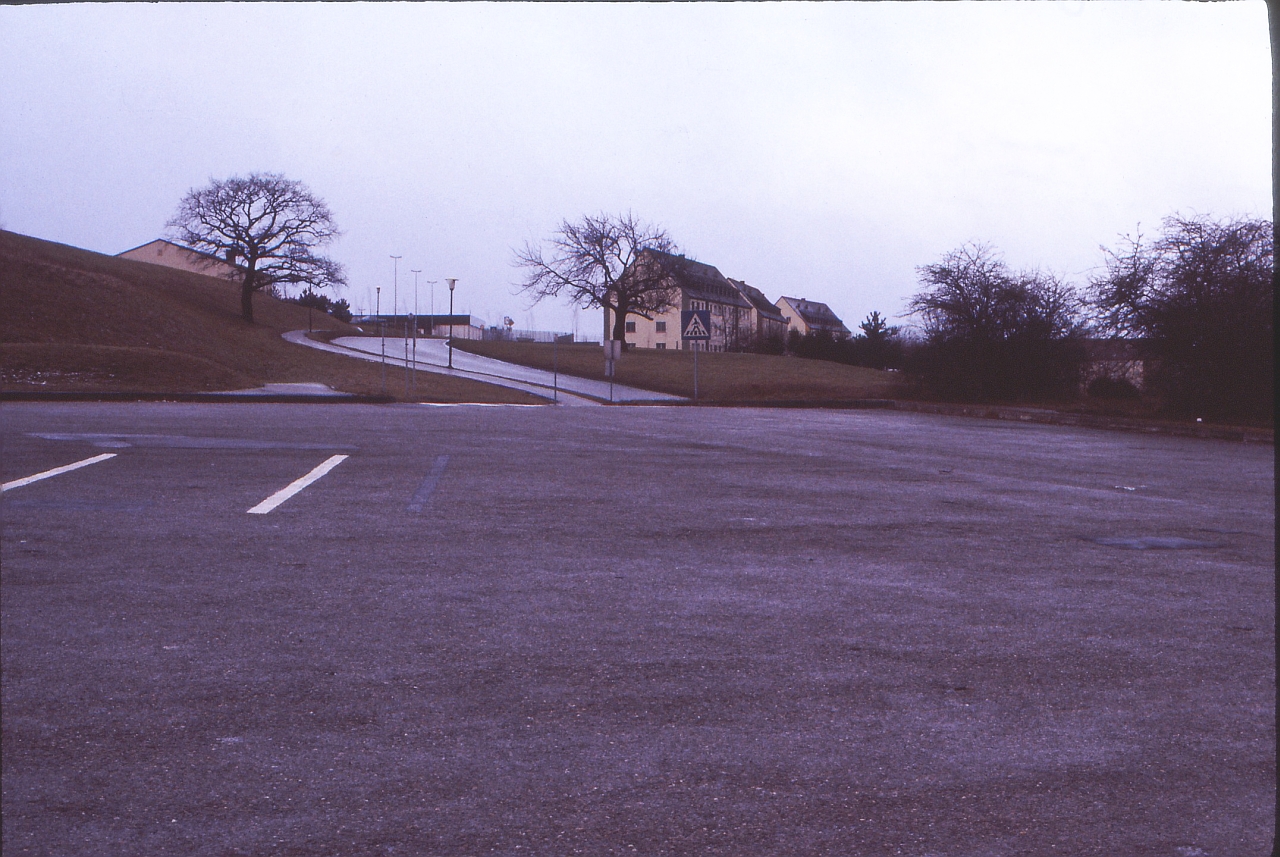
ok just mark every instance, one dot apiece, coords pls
pixel 297 485
pixel 57 471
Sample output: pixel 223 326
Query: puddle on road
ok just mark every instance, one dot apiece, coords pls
pixel 1146 543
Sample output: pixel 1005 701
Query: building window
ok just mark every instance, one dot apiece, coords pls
pixel 631 327
pixel 661 326
pixel 661 346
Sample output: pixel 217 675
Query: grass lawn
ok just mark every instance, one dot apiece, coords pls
pixel 722 378
pixel 76 321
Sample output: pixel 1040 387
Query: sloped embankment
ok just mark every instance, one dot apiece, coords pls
pixel 72 320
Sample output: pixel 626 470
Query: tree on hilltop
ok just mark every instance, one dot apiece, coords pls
pixel 587 261
pixel 271 228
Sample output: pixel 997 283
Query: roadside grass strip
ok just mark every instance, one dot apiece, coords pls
pixel 57 471
pixel 423 494
pixel 297 485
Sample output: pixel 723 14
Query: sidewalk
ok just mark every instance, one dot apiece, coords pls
pixel 433 356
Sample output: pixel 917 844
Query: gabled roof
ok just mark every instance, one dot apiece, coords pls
pixel 697 280
pixel 759 301
pixel 817 314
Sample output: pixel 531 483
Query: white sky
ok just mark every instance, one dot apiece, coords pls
pixel 813 150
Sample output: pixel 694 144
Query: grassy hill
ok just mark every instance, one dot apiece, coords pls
pixel 722 378
pixel 72 320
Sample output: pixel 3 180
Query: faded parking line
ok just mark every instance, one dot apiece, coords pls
pixel 297 485
pixel 423 494
pixel 57 471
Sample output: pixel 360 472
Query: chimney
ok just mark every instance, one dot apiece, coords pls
pixel 231 256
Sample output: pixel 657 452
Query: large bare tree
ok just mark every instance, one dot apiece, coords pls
pixel 1202 294
pixel 593 263
pixel 269 226
pixel 993 333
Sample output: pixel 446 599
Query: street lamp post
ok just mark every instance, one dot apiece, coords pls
pixel 382 336
pixel 414 375
pixel 395 285
pixel 395 302
pixel 452 281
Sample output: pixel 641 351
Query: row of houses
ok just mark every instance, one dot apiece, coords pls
pixel 741 315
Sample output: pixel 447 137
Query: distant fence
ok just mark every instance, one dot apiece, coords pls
pixel 501 334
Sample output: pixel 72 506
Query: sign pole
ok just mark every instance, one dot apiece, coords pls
pixel 695 328
pixel 695 371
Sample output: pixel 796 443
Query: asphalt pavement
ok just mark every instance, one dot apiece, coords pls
pixel 403 629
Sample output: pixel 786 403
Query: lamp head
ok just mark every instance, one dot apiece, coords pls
pixel 452 281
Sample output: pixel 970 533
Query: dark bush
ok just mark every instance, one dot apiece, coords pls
pixel 1103 387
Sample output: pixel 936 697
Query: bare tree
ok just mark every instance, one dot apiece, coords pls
pixel 1202 295
pixel 594 264
pixel 995 333
pixel 268 226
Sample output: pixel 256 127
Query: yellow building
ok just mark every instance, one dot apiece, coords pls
pixel 695 286
pixel 162 252
pixel 805 316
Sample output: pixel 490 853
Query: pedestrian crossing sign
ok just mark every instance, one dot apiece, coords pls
pixel 695 324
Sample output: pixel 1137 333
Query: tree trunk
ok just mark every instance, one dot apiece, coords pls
pixel 246 297
pixel 620 320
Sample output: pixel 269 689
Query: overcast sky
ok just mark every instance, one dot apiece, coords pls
pixel 819 150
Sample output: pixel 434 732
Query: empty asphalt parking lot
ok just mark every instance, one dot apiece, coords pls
pixel 542 631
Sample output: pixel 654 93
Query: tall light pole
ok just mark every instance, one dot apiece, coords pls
pixel 382 335
pixel 414 375
pixel 452 281
pixel 395 284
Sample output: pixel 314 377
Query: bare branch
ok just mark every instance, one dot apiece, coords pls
pixel 593 262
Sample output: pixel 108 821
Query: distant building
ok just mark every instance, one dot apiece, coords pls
pixel 806 316
pixel 697 286
pixel 171 255
pixel 1117 360
pixel 767 321
pixel 464 326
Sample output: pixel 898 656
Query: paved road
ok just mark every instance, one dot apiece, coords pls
pixel 630 631
pixel 433 356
